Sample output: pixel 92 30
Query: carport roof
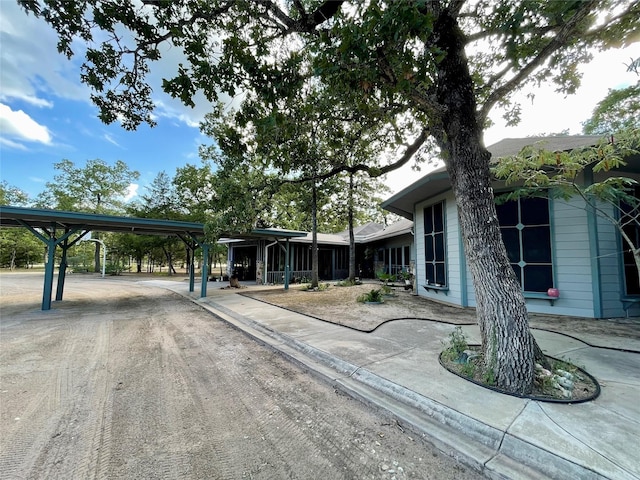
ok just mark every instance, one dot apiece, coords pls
pixel 43 218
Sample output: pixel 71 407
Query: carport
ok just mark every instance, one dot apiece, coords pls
pixel 55 229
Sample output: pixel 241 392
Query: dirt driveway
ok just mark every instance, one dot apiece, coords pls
pixel 127 381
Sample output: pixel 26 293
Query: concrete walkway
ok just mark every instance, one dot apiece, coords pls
pixel 396 369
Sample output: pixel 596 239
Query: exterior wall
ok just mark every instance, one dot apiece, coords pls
pixel 457 293
pixel 573 265
pixel 574 268
pixel 400 241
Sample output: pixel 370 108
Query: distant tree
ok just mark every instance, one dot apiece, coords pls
pixel 161 201
pixel 18 246
pixel 195 190
pixel 96 188
pixel 619 110
pixel 11 195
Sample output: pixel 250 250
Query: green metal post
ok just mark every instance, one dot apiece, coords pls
pixel 286 266
pixel 192 273
pixel 48 272
pixel 62 271
pixel 205 270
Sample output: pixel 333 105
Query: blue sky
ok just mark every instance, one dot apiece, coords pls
pixel 46 114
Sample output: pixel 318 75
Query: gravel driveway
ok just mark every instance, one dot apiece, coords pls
pixel 127 381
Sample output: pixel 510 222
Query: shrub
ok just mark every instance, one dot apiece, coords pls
pixel 374 295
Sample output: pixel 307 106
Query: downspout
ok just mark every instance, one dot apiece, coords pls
pixel 266 260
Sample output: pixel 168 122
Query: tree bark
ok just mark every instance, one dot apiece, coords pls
pixel 501 309
pixel 352 239
pixel 314 237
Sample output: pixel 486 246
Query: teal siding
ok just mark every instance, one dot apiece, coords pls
pixel 611 274
pixel 572 267
pixel 455 295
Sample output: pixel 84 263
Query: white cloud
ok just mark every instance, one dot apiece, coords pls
pixel 110 139
pixel 32 68
pixel 11 144
pixel 19 124
pixel 132 191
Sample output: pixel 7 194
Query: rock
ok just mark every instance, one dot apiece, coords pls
pixel 565 374
pixel 565 382
pixel 471 355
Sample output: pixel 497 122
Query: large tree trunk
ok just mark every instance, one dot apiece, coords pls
pixel 352 239
pixel 314 237
pixel 501 309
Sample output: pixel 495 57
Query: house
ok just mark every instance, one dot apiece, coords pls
pixel 263 258
pixel 550 242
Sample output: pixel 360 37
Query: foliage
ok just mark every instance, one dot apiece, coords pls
pixel 309 287
pixel 456 345
pixel 619 110
pixel 97 187
pixel 372 296
pixel 11 195
pixel 386 277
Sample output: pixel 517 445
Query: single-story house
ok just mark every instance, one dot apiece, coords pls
pixel 551 243
pixel 378 249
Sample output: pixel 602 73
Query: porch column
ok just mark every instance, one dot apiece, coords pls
pixel 286 266
pixel 205 269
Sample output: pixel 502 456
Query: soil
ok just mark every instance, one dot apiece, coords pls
pixel 123 381
pixel 585 386
pixel 338 305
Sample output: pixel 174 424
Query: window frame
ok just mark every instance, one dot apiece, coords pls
pixel 520 229
pixel 440 277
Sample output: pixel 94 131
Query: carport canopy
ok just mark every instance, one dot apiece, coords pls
pixel 55 228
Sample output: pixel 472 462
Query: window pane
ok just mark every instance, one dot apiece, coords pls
pixel 431 276
pixel 407 255
pixel 438 221
pixel 631 279
pixel 536 246
pixel 428 220
pixel 537 278
pixel 439 246
pixel 518 271
pixel 440 277
pixel 511 239
pixel 428 248
pixel 534 211
pixel 508 213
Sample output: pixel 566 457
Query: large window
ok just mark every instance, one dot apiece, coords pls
pixel 630 224
pixel 524 224
pixel 434 245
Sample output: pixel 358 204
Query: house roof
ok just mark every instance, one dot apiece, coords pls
pixel 437 181
pixel 401 227
pixel 512 146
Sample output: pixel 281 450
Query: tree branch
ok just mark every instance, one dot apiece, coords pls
pixel 563 35
pixel 362 167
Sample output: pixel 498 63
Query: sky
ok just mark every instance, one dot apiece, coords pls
pixel 46 114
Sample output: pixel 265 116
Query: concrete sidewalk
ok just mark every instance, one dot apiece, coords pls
pixel 396 368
